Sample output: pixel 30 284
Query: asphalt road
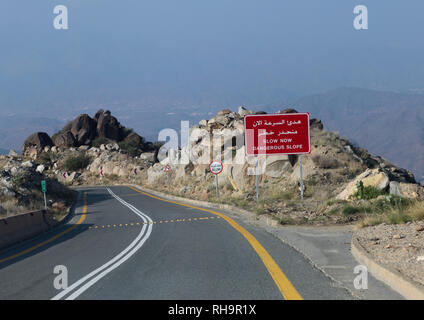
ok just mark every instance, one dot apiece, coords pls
pixel 122 244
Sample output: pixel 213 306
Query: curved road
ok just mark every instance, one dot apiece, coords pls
pixel 124 244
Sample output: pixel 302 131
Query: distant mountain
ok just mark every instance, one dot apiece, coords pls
pixel 386 123
pixel 14 129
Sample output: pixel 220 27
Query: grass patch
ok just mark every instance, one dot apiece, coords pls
pixel 260 211
pixel 400 211
pixel 286 221
pixel 75 163
pixel 46 158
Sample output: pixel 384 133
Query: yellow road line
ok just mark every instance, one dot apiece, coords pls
pixel 286 288
pixel 154 222
pixel 82 218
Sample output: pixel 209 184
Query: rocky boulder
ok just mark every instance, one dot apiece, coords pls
pixel 277 166
pixel 243 111
pixel 224 112
pixel 109 127
pixel 98 114
pixel 407 190
pixel 66 140
pixel 36 142
pixel 371 177
pixel 135 140
pixel 316 124
pixel 12 153
pixel 84 129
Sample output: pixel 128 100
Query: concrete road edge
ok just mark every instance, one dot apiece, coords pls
pixel 392 278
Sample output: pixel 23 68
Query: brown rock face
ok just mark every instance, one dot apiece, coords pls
pixel 98 114
pixel 109 127
pixel 135 139
pixel 83 129
pixel 66 140
pixel 37 141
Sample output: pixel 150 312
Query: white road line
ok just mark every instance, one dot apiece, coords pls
pixel 115 262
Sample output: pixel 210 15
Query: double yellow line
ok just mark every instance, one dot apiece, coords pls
pixel 82 218
pixel 286 288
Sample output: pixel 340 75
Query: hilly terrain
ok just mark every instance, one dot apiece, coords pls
pixel 386 123
pixel 343 182
pixel 393 120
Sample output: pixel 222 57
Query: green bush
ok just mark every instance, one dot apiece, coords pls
pixel 366 193
pixel 126 132
pixel 99 141
pixel 75 163
pixel 130 147
pixel 46 158
pixel 348 210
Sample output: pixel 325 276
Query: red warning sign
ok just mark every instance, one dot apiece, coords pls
pixel 268 134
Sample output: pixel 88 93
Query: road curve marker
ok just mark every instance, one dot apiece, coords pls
pixel 287 290
pixel 81 220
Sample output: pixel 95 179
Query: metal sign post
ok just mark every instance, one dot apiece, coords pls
pixel 44 189
pixel 257 178
pixel 217 190
pixel 216 167
pixel 301 177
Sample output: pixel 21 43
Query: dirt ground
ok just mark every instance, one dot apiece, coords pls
pixel 400 247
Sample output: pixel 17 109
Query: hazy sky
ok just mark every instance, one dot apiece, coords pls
pixel 210 52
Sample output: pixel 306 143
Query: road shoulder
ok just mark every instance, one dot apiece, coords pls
pixel 326 248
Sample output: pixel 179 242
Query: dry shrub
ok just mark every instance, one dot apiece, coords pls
pixel 325 162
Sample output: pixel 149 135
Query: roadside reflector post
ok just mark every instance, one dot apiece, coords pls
pixel 135 175
pixel 168 170
pixel 301 177
pixel 216 167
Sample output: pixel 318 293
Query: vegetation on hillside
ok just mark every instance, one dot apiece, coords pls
pixel 75 163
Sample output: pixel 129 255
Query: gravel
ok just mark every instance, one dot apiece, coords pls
pixel 400 247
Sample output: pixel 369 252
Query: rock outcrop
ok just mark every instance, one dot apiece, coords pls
pixel 35 143
pixel 84 129
pixel 109 127
pixel 20 183
pixel 371 177
pixel 65 140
